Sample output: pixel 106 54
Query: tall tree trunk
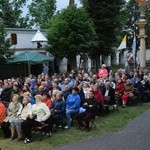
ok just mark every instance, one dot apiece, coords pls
pixel 97 62
pixel 71 2
pixel 72 64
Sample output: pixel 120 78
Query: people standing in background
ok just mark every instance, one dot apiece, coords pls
pixel 45 69
pixel 82 65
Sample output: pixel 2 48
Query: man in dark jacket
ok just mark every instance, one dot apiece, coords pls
pixel 6 94
pixel 91 107
pixel 109 94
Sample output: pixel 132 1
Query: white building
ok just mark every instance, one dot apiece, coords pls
pixel 21 42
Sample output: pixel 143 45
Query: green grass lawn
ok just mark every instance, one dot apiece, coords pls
pixel 106 124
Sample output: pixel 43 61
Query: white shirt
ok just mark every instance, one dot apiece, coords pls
pixel 41 111
pixel 106 92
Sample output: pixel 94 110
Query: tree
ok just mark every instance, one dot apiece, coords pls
pixel 70 33
pixel 41 11
pixel 11 13
pixel 7 14
pixel 106 17
pixel 132 16
pixel 4 43
pixel 71 2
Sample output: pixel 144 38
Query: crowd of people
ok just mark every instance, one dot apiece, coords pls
pixel 79 95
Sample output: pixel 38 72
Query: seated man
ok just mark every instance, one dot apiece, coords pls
pixel 91 107
pixel 109 94
pixel 72 106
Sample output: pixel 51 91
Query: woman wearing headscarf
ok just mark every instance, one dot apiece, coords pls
pixel 22 115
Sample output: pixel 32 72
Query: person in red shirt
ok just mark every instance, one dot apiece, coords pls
pixel 47 100
pixel 2 112
pixel 98 96
pixel 119 88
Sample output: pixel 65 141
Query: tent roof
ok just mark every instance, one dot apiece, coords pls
pixel 39 37
pixel 30 58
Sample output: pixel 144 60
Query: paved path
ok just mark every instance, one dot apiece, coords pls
pixel 134 136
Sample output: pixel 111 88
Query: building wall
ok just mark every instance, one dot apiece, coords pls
pixel 24 37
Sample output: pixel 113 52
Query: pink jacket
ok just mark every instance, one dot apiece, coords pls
pixel 102 72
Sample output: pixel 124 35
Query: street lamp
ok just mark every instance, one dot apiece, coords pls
pixel 142 36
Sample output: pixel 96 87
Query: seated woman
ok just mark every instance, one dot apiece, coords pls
pixel 128 93
pixel 2 113
pixel 72 106
pixel 47 100
pixel 12 111
pixel 91 106
pixel 119 89
pixel 57 110
pixel 21 116
pixel 39 113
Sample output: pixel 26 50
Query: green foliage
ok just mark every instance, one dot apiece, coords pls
pixel 4 43
pixel 41 11
pixel 106 17
pixel 71 32
pixel 7 15
pixel 11 13
pixel 132 16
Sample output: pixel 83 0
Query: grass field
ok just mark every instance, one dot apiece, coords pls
pixel 109 123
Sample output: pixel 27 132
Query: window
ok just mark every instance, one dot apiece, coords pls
pixel 13 38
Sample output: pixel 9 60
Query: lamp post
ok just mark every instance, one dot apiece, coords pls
pixel 141 23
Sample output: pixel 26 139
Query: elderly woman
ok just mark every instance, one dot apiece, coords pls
pixel 128 92
pixel 22 115
pixel 39 113
pixel 12 111
pixel 58 110
pixel 102 72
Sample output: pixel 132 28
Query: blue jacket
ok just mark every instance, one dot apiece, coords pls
pixel 73 102
pixel 45 69
pixel 59 105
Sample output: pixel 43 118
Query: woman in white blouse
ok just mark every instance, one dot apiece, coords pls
pixel 39 113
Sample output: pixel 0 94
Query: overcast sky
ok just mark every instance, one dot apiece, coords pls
pixel 60 5
pixel 64 3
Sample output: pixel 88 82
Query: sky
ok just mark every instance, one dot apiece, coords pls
pixel 60 4
pixel 64 3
